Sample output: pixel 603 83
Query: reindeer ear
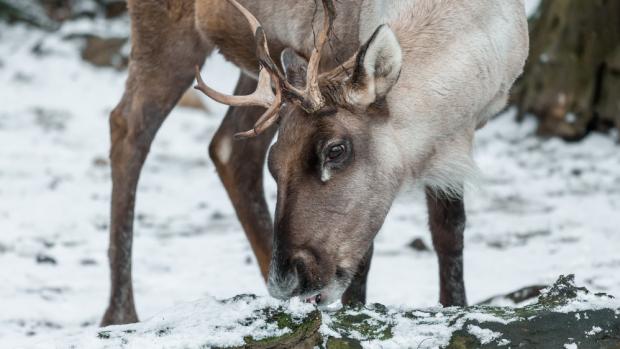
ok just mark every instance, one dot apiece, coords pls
pixel 295 67
pixel 377 67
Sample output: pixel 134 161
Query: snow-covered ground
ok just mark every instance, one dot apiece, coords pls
pixel 544 208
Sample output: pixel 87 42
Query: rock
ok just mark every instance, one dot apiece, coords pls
pixel 104 52
pixel 564 314
pixel 419 245
pixel 45 259
pixel 101 162
pixel 88 262
pixel 52 120
pixel 101 51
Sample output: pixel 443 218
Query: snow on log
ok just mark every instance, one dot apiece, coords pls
pixel 564 316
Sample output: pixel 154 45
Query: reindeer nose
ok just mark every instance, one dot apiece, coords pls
pixel 290 279
pixel 283 282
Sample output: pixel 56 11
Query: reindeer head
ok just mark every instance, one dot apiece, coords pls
pixel 335 163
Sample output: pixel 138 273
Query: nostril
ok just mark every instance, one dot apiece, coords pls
pixel 299 268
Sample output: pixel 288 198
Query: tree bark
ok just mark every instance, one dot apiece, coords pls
pixel 571 81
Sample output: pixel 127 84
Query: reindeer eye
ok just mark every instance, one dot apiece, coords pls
pixel 335 155
pixel 336 152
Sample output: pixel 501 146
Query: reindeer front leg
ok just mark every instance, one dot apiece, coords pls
pixel 447 224
pixel 133 126
pixel 165 50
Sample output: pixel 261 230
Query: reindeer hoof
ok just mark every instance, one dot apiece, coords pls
pixel 114 316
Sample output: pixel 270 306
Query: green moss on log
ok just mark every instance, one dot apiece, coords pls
pixel 363 322
pixel 303 334
pixel 463 340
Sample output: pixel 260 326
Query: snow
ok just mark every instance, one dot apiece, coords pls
pixel 544 207
pixel 531 6
pixel 594 330
pixel 589 302
pixel 480 317
pixel 484 335
pixel 178 327
pixel 503 342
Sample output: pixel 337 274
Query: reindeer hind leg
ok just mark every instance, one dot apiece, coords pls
pixel 239 164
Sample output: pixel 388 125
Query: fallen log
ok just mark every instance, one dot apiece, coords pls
pixel 564 316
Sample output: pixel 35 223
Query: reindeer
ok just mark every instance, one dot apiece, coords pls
pixel 389 92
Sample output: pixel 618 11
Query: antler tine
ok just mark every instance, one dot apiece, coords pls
pixel 263 96
pixel 312 91
pixel 265 121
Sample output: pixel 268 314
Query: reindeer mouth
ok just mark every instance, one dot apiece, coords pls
pixel 324 296
pixel 316 299
pixel 327 297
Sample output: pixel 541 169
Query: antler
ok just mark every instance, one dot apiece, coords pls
pixel 312 92
pixel 310 99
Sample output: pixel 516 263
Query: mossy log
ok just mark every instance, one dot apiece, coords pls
pixel 564 315
pixel 571 81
